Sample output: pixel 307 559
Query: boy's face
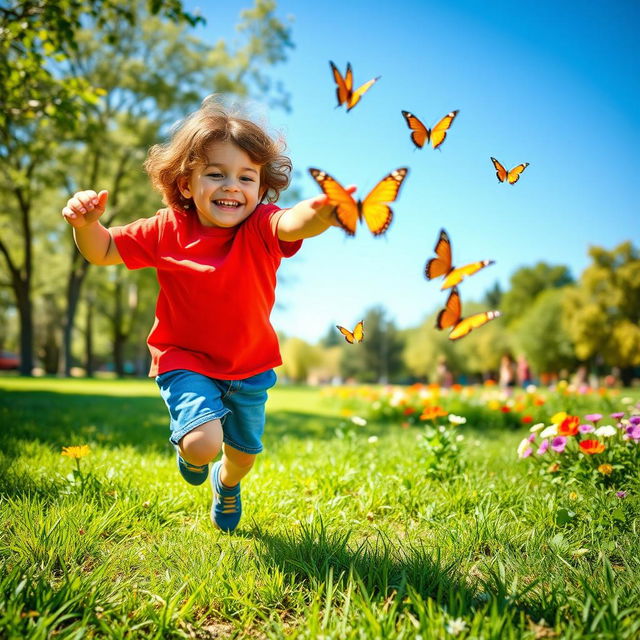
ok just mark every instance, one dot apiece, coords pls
pixel 227 189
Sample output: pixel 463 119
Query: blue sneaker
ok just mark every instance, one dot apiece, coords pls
pixel 192 473
pixel 226 508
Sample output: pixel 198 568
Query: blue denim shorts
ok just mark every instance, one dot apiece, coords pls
pixel 193 399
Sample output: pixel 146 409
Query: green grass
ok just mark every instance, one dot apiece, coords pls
pixel 341 537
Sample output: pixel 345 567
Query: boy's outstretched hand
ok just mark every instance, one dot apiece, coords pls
pixel 85 207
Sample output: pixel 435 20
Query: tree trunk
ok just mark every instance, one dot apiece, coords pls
pixel 25 312
pixel 88 339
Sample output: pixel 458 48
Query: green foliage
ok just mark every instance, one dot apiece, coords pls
pixel 361 543
pixel 603 310
pixel 526 283
pixel 379 357
pixel 542 336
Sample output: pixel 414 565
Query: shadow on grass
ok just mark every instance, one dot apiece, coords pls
pixel 61 420
pixel 382 569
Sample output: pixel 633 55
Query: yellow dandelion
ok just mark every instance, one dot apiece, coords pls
pixel 605 469
pixel 76 452
pixel 558 417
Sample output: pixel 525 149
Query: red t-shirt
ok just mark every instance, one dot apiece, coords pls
pixel 217 289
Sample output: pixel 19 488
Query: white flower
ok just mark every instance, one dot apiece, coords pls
pixel 361 422
pixel 457 626
pixel 442 429
pixel 397 398
pixel 537 427
pixel 549 431
pixel 522 447
pixel 626 400
pixel 459 438
pixel 531 388
pixel 606 430
pixel 454 419
pixel 372 439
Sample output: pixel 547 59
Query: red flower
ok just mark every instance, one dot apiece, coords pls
pixel 408 411
pixel 430 413
pixel 527 419
pixel 505 409
pixel 569 426
pixel 592 446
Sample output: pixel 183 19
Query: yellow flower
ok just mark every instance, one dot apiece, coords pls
pixel 605 469
pixel 76 452
pixel 573 496
pixel 558 417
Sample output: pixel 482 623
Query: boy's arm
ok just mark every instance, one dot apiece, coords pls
pixel 92 239
pixel 308 218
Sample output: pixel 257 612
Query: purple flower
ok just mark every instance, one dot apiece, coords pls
pixel 544 445
pixel 586 428
pixel 633 432
pixel 532 437
pixel 593 417
pixel 618 415
pixel 621 494
pixel 634 420
pixel 559 443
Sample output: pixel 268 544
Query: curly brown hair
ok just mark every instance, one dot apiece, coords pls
pixel 187 149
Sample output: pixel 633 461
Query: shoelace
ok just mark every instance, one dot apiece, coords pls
pixel 192 467
pixel 229 504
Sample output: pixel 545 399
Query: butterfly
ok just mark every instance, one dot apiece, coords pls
pixel 421 134
pixel 373 209
pixel 344 91
pixel 450 316
pixel 441 264
pixel 356 336
pixel 511 176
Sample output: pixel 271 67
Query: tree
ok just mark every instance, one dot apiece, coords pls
pixel 379 357
pixel 527 283
pixel 602 313
pixel 542 335
pixel 38 108
pixel 298 358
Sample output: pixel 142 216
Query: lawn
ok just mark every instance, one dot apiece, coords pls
pixel 349 530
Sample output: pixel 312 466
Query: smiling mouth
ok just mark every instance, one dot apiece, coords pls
pixel 227 203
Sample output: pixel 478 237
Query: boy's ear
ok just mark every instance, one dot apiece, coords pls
pixel 263 193
pixel 183 185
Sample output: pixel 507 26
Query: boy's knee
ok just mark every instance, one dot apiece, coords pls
pixel 203 444
pixel 240 458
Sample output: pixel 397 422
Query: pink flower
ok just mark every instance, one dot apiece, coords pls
pixel 544 445
pixel 633 432
pixel 559 443
pixel 621 494
pixel 586 428
pixel 618 415
pixel 593 417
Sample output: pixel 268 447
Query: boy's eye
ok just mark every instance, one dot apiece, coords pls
pixel 214 174
pixel 247 178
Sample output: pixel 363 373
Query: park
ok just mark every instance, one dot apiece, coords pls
pixel 452 447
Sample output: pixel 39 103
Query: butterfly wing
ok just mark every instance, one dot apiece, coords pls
pixel 501 172
pixel 375 211
pixel 355 96
pixel 465 326
pixel 455 276
pixel 342 90
pixel 450 315
pixel 419 133
pixel 441 264
pixel 346 208
pixel 514 175
pixel 439 132
pixel 348 336
pixel 358 331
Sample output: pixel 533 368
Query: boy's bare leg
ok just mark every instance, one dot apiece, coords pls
pixel 235 465
pixel 201 445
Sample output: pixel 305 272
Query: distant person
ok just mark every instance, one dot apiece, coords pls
pixel 216 248
pixel 444 377
pixel 507 375
pixel 523 371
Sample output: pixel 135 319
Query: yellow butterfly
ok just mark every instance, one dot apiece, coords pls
pixel 344 90
pixel 421 134
pixel 441 265
pixel 356 336
pixel 451 316
pixel 513 175
pixel 373 209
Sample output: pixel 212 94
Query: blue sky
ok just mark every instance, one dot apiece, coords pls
pixel 553 84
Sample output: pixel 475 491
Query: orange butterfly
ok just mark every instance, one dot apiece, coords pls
pixel 511 176
pixel 441 264
pixel 344 91
pixel 421 134
pixel 373 208
pixel 356 336
pixel 450 316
